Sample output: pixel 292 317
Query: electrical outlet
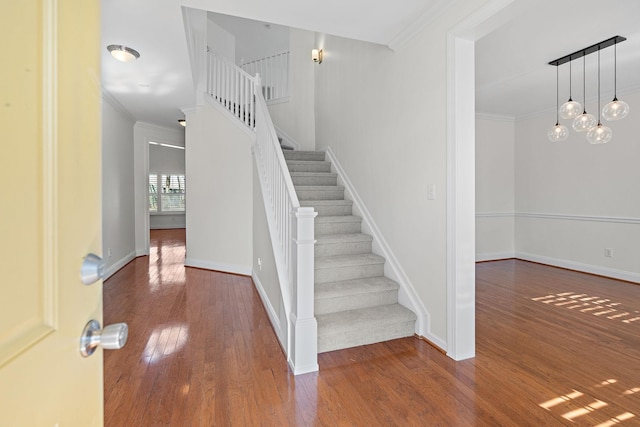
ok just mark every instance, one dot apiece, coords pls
pixel 109 252
pixel 260 263
pixel 608 252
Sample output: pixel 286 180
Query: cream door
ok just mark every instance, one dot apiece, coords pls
pixel 50 204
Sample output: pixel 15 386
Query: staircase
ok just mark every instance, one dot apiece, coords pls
pixel 355 304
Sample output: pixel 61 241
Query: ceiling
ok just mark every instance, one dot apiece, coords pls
pixel 512 75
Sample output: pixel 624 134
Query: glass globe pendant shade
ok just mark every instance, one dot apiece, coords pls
pixel 584 122
pixel 615 110
pixel 570 109
pixel 558 133
pixel 599 134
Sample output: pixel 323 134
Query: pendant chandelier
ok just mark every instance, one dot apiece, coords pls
pixel 597 133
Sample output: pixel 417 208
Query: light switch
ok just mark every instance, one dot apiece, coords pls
pixel 431 192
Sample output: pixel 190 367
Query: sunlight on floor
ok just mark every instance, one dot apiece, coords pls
pixel 571 406
pixel 165 341
pixel 596 306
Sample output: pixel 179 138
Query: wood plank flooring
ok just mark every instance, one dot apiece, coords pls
pixel 554 347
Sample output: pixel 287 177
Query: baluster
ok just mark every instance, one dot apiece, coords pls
pixel 243 117
pixel 236 95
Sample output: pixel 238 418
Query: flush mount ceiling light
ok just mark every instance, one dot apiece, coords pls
pixel 615 110
pixel 123 53
pixel 182 122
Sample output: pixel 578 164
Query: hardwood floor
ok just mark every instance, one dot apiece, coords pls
pixel 554 347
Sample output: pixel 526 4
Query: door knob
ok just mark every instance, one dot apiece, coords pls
pixel 112 337
pixel 92 269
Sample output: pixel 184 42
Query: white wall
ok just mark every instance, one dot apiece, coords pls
pixel 221 41
pixel 253 39
pixel 296 116
pixel 495 180
pixel 574 199
pixel 118 217
pixel 219 192
pixel 142 134
pixel 384 114
pixel 265 275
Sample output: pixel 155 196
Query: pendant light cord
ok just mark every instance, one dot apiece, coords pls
pixel 615 71
pixel 557 94
pixel 584 86
pixel 599 87
pixel 570 84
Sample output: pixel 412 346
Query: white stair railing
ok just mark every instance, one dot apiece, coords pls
pixel 233 88
pixel 274 71
pixel 291 226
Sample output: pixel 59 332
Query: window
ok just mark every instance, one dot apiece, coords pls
pixel 166 193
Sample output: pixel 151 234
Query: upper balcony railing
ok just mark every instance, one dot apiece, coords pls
pixel 274 71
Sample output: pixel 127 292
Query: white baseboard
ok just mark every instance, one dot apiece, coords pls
pixel 493 256
pixel 142 252
pixel 109 271
pixel 225 268
pixel 578 266
pixel 273 316
pixel 167 227
pixel 407 295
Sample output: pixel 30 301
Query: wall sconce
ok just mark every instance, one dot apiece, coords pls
pixel 316 55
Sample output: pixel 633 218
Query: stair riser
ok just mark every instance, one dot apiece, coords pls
pixel 332 210
pixel 322 228
pixel 326 275
pixel 302 155
pixel 315 180
pixel 354 302
pixel 328 194
pixel 330 342
pixel 309 167
pixel 350 248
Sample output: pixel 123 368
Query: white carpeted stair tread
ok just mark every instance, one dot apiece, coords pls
pixel 319 203
pixel 314 178
pixel 318 187
pixel 370 317
pixel 331 262
pixel 308 166
pixel 338 218
pixel 354 287
pixel 314 192
pixel 342 244
pixel 304 155
pixel 343 238
pixel 318 174
pixel 329 207
pixel 363 326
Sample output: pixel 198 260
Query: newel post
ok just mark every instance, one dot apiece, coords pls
pixel 304 329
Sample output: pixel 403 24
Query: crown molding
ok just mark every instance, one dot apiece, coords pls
pixel 111 100
pixel 428 16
